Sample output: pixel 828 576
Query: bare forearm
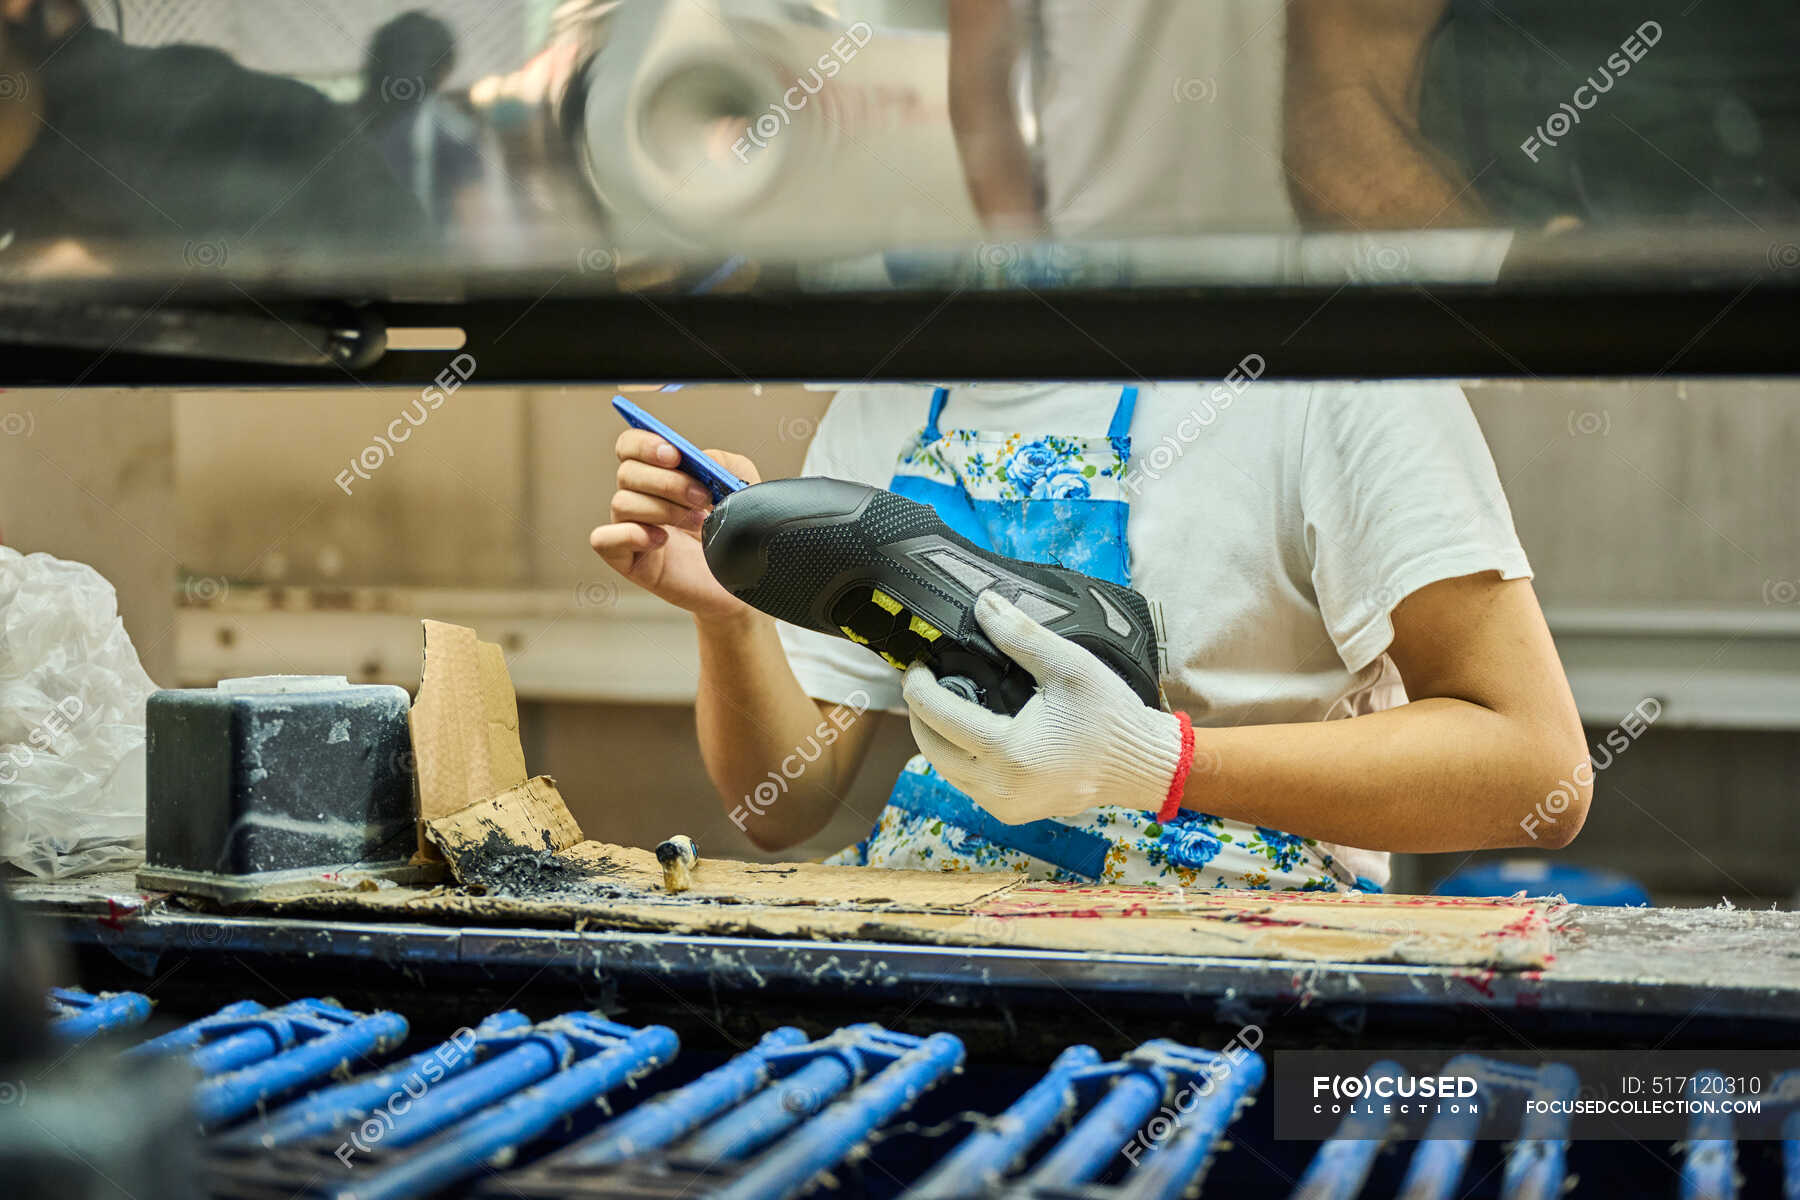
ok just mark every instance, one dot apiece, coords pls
pixel 753 716
pixel 1355 153
pixel 1354 164
pixel 995 159
pixel 1436 775
pixel 998 168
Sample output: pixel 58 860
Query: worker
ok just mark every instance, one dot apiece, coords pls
pixel 175 153
pixel 430 143
pixel 1355 661
pixel 1151 116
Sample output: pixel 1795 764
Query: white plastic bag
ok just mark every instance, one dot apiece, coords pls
pixel 71 721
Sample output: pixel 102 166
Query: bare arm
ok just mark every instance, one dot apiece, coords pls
pixel 755 721
pixel 1490 733
pixel 752 712
pixel 1355 155
pixel 984 48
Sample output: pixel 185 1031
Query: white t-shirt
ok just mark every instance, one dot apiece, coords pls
pixel 1276 529
pixel 1160 116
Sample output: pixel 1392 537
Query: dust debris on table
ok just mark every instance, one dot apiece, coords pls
pixel 500 866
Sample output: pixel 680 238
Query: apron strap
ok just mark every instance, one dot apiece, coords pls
pixel 937 410
pixel 1119 432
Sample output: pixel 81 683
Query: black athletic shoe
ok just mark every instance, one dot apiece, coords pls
pixel 887 573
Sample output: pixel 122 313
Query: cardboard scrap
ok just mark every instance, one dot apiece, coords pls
pixel 465 726
pixel 530 815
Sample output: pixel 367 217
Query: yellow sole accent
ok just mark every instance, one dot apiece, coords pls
pixel 892 661
pixel 854 636
pixel 885 601
pixel 924 629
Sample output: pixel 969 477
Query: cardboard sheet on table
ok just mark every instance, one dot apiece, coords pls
pixel 636 873
pixel 807 900
pixel 1504 945
pixel 718 881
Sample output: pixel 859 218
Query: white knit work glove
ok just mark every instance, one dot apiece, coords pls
pixel 1084 739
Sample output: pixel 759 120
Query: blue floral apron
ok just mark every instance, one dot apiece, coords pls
pixel 1058 500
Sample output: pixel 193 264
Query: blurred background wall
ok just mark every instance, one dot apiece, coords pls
pixel 1659 517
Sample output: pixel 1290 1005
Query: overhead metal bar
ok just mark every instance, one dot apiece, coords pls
pixel 1346 332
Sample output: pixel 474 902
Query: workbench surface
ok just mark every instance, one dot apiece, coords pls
pixel 1672 965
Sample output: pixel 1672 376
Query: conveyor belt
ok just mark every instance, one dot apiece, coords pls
pixel 313 1100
